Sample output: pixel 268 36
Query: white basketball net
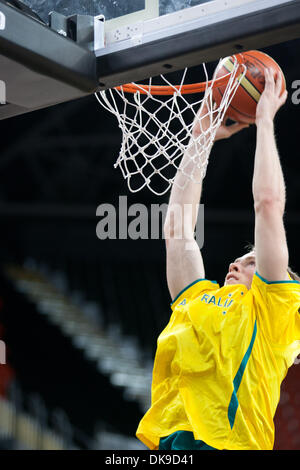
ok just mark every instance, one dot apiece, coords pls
pixel 158 131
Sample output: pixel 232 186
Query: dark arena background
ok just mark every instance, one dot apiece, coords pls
pixel 80 316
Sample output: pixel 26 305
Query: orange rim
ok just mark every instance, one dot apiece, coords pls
pixel 169 90
pixel 184 89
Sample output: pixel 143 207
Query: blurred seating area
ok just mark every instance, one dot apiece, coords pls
pixel 287 418
pixel 20 430
pixel 61 352
pixel 112 354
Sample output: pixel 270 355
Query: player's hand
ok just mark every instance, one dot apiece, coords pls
pixel 204 119
pixel 271 99
pixel 225 131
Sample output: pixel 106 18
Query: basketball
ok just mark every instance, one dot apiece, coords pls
pixel 243 105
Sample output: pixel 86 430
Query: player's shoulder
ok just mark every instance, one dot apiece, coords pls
pixel 283 283
pixel 193 290
pixel 281 290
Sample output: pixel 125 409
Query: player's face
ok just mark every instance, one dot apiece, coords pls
pixel 241 271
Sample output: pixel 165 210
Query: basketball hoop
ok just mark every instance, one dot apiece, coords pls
pixel 157 125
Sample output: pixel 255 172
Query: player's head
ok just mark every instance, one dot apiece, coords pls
pixel 242 270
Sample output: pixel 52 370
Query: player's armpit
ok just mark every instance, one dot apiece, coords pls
pixel 184 264
pixel 270 242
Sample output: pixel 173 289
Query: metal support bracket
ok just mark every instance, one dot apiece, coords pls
pixel 85 30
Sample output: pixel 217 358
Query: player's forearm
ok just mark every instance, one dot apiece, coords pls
pixel 268 182
pixel 192 188
pixel 183 205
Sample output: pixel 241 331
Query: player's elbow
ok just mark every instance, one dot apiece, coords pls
pixel 269 203
pixel 178 226
pixel 169 229
pixel 177 232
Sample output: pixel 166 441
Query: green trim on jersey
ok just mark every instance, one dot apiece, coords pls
pixel 190 285
pixel 234 402
pixel 276 282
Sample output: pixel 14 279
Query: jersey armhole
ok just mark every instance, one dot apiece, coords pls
pixel 184 291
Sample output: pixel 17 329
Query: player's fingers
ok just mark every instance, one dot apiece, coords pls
pixel 272 79
pixel 269 81
pixel 283 98
pixel 278 84
pixel 203 110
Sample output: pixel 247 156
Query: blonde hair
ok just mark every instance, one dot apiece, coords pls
pixel 293 275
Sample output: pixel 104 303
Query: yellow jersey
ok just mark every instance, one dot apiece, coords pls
pixel 220 362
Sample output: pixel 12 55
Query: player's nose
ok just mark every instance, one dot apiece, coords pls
pixel 234 267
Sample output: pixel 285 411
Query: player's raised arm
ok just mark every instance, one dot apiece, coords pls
pixel 184 260
pixel 269 187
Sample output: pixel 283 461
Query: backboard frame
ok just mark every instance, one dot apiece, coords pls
pixel 162 45
pixel 39 66
pixel 42 68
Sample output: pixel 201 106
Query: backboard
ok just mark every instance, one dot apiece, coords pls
pixel 169 35
pixel 43 63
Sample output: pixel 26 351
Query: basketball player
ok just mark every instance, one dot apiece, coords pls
pixel 222 357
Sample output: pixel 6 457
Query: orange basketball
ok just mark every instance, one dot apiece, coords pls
pixel 243 105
